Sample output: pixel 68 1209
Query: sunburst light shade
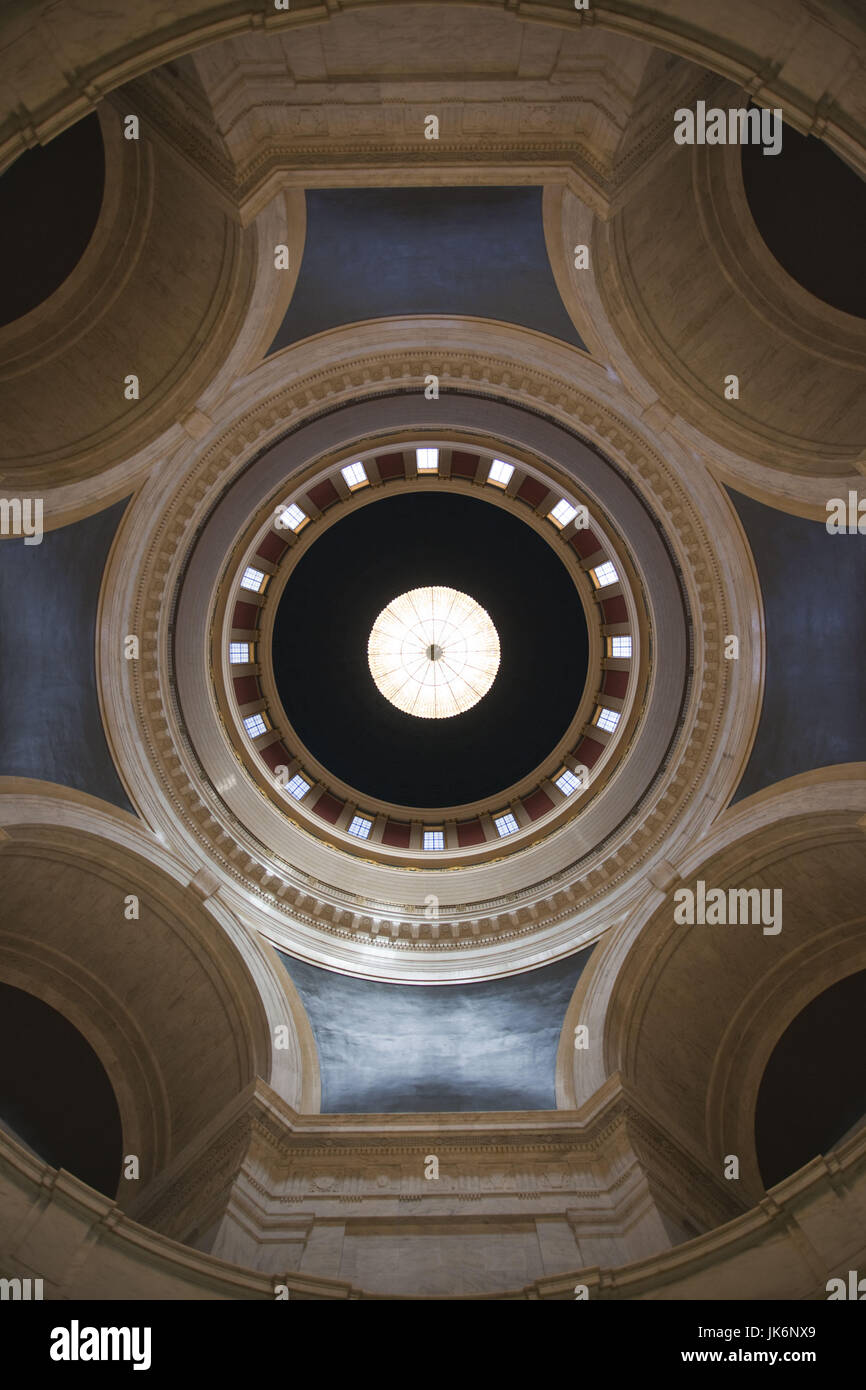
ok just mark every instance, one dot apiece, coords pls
pixel 433 652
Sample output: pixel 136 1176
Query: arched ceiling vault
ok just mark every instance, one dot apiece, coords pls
pixel 800 56
pixel 179 1053
pixel 690 1014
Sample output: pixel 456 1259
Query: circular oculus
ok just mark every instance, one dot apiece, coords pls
pixel 433 652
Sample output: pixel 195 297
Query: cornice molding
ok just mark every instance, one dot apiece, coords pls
pixel 141 709
pixel 760 1253
pixel 767 52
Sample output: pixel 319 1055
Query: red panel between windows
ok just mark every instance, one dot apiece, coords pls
pixel 247 689
pixel 272 547
pixel 463 465
pixel 588 751
pixel 328 807
pixel 396 833
pixel 532 491
pixel 276 755
pixel 390 466
pixel 470 832
pixel 538 803
pixel 586 543
pixel 615 683
pixel 246 615
pixel 614 610
pixel 323 495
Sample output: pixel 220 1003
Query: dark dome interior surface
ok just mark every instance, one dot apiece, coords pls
pixel 814 1087
pixel 810 208
pixel 50 201
pixel 335 595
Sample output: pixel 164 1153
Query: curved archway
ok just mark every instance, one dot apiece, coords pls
pixel 70 171
pixel 731 39
pixel 688 1015
pixel 55 1095
pixel 813 1091
pixel 177 1002
pixel 810 209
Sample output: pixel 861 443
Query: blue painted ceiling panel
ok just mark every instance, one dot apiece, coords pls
pixel 375 252
pixel 50 723
pixel 385 1048
pixel 814 590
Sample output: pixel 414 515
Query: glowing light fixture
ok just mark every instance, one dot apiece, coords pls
pixel 433 652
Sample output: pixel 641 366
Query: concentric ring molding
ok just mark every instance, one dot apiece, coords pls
pixel 493 919
pixel 610 494
pixel 580 740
